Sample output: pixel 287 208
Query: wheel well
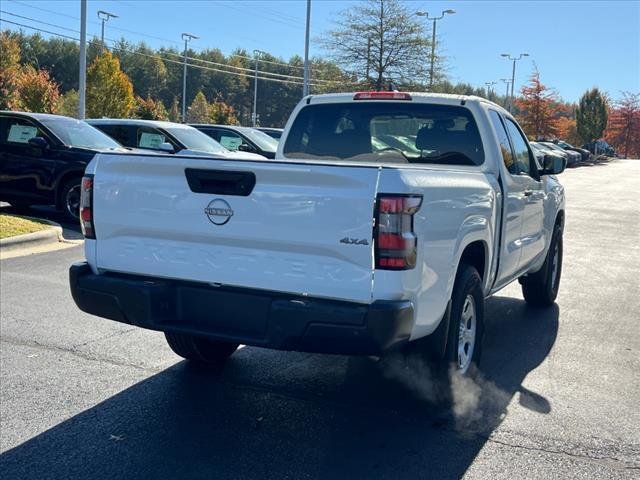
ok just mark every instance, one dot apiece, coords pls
pixel 560 219
pixel 474 254
pixel 62 182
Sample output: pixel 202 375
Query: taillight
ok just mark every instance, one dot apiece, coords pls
pixel 382 96
pixel 396 244
pixel 86 207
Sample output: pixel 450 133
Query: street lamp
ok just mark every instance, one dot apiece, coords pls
pixel 105 16
pixel 489 85
pixel 187 37
pixel 513 72
pixel 305 85
pixel 82 74
pixel 254 115
pixel 433 39
pixel 506 94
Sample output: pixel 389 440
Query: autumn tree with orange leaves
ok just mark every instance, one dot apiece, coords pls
pixel 539 109
pixel 38 92
pixel 623 127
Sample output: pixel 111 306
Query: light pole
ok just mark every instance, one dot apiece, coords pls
pixel 506 94
pixel 433 40
pixel 187 37
pixel 305 86
pixel 105 16
pixel 82 80
pixel 254 115
pixel 489 85
pixel 513 71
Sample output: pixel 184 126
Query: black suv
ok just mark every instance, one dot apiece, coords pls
pixel 43 157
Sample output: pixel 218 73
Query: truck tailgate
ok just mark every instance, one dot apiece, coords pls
pixel 202 220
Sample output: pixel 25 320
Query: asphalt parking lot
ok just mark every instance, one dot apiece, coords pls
pixel 82 397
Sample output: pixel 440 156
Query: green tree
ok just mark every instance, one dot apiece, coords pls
pixel 109 90
pixel 146 70
pixel 69 104
pixel 174 111
pixel 9 72
pixel 198 111
pixel 381 41
pixel 591 115
pixel 38 93
pixel 150 109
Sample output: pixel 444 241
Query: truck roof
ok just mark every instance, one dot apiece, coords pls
pixel 423 97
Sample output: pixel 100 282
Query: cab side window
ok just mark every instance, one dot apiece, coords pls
pixel 18 132
pixel 230 140
pixel 523 156
pixel 149 138
pixel 503 140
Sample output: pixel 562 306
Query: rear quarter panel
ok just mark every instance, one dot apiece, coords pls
pixel 459 207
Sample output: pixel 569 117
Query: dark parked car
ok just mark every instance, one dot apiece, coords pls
pixel 243 139
pixel 567 146
pixel 545 148
pixel 274 133
pixel 43 157
pixel 574 158
pixel 603 148
pixel 540 150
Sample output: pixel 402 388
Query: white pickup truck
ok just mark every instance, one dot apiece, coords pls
pixel 384 221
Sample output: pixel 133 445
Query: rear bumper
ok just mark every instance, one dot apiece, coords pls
pixel 251 317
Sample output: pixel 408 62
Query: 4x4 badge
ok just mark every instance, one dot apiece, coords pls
pixel 354 241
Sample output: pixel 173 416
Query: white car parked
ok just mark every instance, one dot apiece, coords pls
pixel 384 222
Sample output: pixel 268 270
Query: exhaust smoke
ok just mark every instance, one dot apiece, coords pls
pixel 476 403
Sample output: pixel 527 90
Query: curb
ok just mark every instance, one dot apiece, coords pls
pixel 52 234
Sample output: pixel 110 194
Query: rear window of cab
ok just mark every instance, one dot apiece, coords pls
pixel 389 132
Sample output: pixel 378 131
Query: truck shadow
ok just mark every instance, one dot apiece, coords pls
pixel 289 415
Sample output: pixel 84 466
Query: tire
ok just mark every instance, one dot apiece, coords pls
pixel 70 200
pixel 540 289
pixel 199 350
pixel 466 323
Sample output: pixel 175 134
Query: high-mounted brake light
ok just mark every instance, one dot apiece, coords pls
pixel 382 96
pixel 86 207
pixel 396 244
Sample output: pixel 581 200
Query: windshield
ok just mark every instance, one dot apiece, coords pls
pixel 386 132
pixel 261 139
pixel 276 134
pixel 554 147
pixel 564 144
pixel 194 139
pixel 76 133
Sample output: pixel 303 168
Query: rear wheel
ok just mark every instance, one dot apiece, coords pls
pixel 200 350
pixel 465 327
pixel 466 324
pixel 540 289
pixel 70 200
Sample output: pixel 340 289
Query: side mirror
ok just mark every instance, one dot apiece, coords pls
pixel 38 142
pixel 243 147
pixel 553 165
pixel 166 147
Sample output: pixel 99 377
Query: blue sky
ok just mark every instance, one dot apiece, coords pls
pixel 575 44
